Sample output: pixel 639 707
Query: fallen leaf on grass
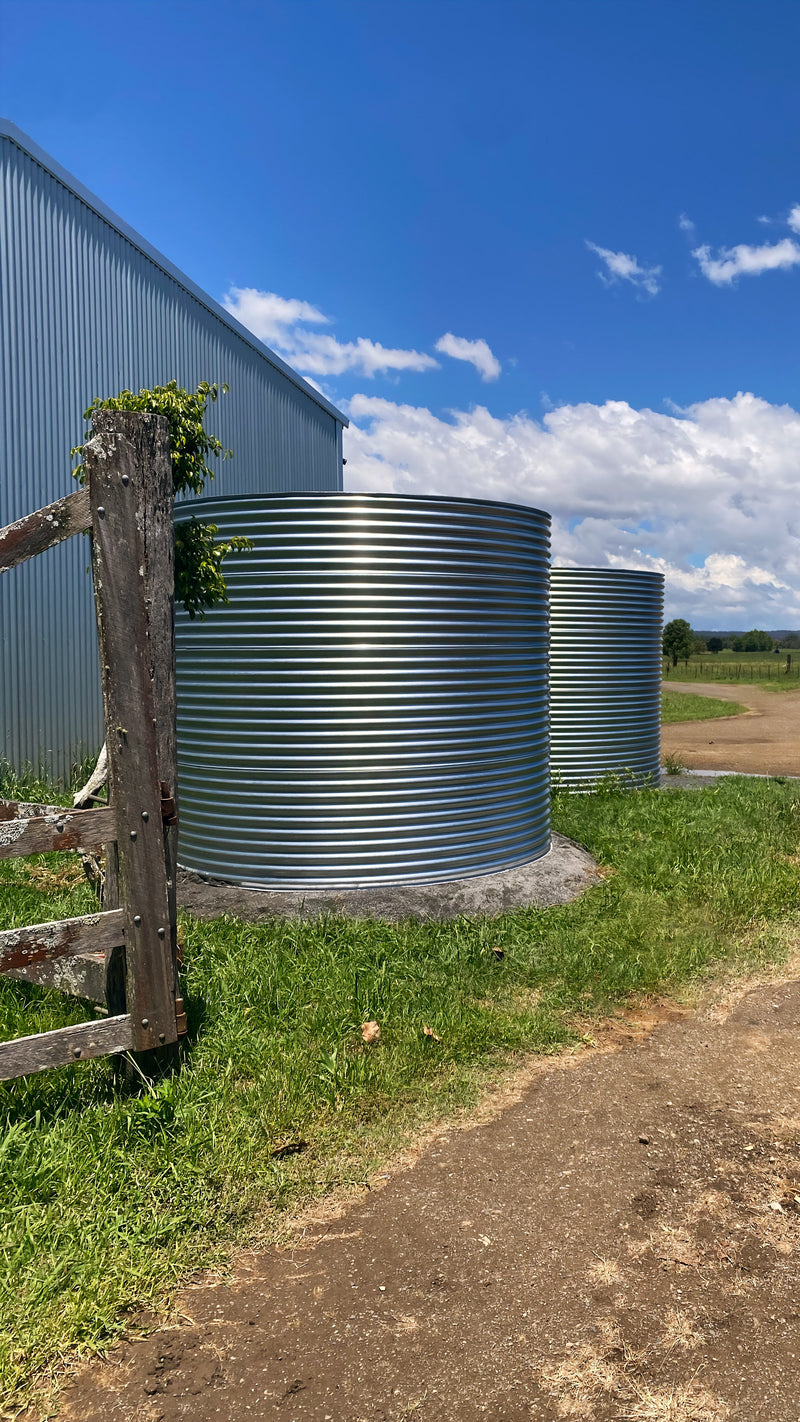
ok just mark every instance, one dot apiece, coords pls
pixel 289 1148
pixel 429 1032
pixel 370 1032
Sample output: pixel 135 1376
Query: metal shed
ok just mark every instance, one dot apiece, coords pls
pixel 88 307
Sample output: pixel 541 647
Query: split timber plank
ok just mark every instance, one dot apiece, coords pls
pixel 81 975
pixel 58 829
pixel 26 809
pixel 43 529
pixel 114 475
pixel 65 1046
pixel 66 937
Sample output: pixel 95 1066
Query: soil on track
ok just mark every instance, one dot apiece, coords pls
pixel 765 740
pixel 618 1239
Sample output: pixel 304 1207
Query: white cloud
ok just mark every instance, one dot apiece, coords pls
pixel 283 324
pixel 477 353
pixel 621 267
pixel 324 355
pixel 685 223
pixel 706 495
pixel 732 262
pixel 270 316
pixel 794 218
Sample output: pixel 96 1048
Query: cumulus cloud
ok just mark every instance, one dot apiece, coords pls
pixel 269 316
pixel 478 353
pixel 685 223
pixel 706 495
pixel 732 262
pixel 621 267
pixel 283 323
pixel 794 218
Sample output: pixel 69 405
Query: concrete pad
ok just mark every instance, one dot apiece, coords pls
pixel 556 878
pixel 701 779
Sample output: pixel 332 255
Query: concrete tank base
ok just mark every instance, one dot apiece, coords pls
pixel 556 878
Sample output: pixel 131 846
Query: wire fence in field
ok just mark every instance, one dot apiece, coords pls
pixel 733 671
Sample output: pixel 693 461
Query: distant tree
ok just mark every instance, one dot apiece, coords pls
pixel 678 640
pixel 792 640
pixel 756 641
pixel 737 644
pixel 715 644
pixel 698 646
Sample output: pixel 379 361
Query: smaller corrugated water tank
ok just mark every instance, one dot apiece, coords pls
pixel 371 707
pixel 605 675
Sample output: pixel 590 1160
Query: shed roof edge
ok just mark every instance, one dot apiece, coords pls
pixel 22 140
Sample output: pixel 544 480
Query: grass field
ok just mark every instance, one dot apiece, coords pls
pixel 754 668
pixel 110 1193
pixel 682 706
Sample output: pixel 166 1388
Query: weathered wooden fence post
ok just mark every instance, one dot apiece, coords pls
pixel 148 436
pixel 119 461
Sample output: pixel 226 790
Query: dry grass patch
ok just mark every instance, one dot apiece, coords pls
pixel 606 1272
pixel 680 1332
pixel 608 1373
pixel 690 1403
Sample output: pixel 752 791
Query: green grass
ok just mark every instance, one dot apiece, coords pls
pixel 738 668
pixel 683 706
pixel 111 1194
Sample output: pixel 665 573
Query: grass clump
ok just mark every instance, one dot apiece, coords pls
pixel 683 706
pixel 110 1194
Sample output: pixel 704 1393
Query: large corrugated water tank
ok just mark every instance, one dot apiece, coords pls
pixel 605 675
pixel 371 707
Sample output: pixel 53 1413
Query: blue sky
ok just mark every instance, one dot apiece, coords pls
pixel 534 249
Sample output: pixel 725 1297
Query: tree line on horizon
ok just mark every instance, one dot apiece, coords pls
pixel 680 641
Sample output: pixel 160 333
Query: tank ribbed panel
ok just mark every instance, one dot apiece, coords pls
pixel 605 675
pixel 372 705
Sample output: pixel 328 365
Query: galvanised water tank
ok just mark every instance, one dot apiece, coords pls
pixel 605 675
pixel 371 707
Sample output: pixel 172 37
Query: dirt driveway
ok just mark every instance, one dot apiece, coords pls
pixel 618 1241
pixel 764 741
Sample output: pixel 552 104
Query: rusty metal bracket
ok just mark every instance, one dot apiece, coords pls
pixel 168 813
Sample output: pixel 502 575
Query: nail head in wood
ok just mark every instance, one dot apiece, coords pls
pixel 137 918
pixel 145 816
pixel 145 1022
pixel 133 834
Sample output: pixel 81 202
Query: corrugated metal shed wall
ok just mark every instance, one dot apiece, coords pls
pixel 84 312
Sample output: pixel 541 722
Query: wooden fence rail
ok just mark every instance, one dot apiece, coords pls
pixel 124 956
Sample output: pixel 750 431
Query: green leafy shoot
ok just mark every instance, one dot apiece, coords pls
pixel 190 444
pixel 199 583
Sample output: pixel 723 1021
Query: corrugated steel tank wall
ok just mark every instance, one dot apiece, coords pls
pixel 605 675
pixel 84 312
pixel 372 706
